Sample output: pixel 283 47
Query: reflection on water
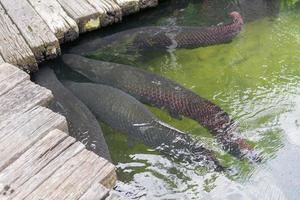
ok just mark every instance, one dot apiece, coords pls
pixel 255 79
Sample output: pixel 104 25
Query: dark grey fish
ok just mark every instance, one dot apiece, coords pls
pixel 152 89
pixel 124 113
pixel 81 122
pixel 158 37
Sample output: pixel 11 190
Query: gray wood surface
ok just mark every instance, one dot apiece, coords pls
pixel 110 12
pixel 19 133
pixel 10 76
pixel 63 26
pixel 107 175
pixel 96 191
pixel 113 196
pixel 147 3
pixel 85 15
pixel 32 161
pixel 129 6
pixel 1 60
pixel 85 166
pixel 29 187
pixel 23 97
pixel 13 47
pixel 38 35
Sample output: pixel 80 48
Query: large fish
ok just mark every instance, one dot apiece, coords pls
pixel 124 113
pixel 155 90
pixel 159 37
pixel 81 122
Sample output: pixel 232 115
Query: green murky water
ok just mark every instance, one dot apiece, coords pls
pixel 256 79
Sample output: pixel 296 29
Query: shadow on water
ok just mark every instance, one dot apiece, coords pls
pixel 255 79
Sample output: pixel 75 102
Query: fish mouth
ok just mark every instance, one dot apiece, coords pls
pixel 236 17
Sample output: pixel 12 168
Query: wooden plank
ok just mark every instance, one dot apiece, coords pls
pixel 113 196
pixel 85 166
pixel 39 37
pixel 34 160
pixel 63 26
pixel 108 176
pixel 13 47
pixel 147 3
pixel 129 6
pixel 1 60
pixel 86 16
pixel 23 97
pixel 10 76
pixel 29 187
pixel 97 191
pixel 18 134
pixel 110 11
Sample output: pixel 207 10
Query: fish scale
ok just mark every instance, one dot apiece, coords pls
pixel 179 101
pixel 132 117
pixel 158 37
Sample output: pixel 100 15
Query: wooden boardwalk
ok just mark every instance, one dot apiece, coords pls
pixel 38 160
pixel 31 31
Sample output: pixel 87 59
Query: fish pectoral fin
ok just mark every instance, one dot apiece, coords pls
pixel 175 115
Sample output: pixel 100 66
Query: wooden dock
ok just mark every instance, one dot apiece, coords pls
pixel 38 160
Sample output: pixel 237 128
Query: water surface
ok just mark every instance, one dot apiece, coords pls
pixel 255 79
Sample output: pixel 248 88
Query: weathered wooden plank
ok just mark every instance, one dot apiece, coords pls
pixel 108 176
pixel 24 131
pixel 85 167
pixel 129 6
pixel 63 26
pixel 10 76
pixel 113 196
pixel 39 37
pixel 44 174
pixel 23 97
pixel 110 11
pixel 33 160
pixel 86 16
pixel 147 3
pixel 96 191
pixel 13 47
pixel 1 60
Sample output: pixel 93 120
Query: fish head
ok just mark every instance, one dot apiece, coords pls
pixel 236 17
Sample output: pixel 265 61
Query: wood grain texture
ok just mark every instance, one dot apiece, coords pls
pixel 113 196
pixel 10 76
pixel 110 12
pixel 34 160
pixel 24 131
pixel 36 32
pixel 13 47
pixel 63 26
pixel 85 15
pixel 96 191
pixel 129 6
pixel 23 97
pixel 147 3
pixel 84 166
pixel 1 60
pixel 107 176
pixel 29 187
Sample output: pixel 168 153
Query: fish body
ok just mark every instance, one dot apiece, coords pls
pixel 155 90
pixel 82 124
pixel 165 37
pixel 124 113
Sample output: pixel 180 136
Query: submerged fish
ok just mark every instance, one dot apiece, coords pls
pixel 124 113
pixel 152 89
pixel 159 37
pixel 81 122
